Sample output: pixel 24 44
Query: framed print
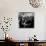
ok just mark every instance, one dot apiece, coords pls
pixel 26 19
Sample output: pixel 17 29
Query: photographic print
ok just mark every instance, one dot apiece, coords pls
pixel 26 19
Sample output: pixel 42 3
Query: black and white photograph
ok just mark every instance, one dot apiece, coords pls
pixel 26 19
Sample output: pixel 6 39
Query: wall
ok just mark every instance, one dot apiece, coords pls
pixel 45 28
pixel 11 8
